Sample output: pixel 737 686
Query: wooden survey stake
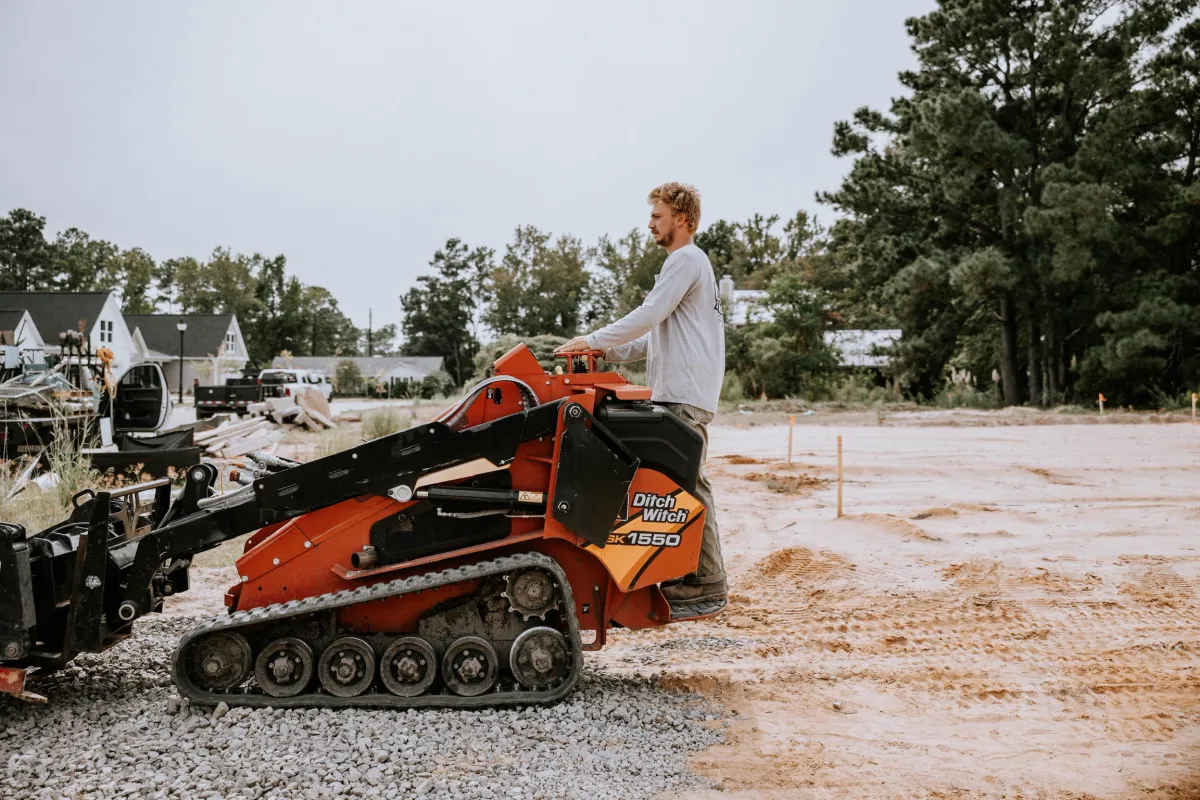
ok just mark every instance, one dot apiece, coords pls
pixel 792 427
pixel 839 513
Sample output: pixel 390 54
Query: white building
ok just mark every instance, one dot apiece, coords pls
pixel 213 346
pixel 856 348
pixel 25 336
pixel 95 314
pixel 861 348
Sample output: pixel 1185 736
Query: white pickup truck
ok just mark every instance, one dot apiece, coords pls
pixel 285 382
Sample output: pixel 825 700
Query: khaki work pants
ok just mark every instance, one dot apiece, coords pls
pixel 712 567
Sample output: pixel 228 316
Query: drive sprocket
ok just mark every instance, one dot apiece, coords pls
pixel 530 592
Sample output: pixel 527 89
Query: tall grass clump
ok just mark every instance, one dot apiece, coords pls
pixel 67 462
pixel 387 420
pixel 336 440
pixel 25 502
pixel 859 389
pixel 960 391
pixel 1166 401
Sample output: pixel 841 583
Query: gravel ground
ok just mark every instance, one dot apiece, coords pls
pixel 115 727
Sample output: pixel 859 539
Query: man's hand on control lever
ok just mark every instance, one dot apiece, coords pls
pixel 577 345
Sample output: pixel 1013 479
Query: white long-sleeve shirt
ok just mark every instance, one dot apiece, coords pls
pixel 678 329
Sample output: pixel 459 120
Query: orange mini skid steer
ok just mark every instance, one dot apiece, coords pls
pixel 456 563
pixel 452 564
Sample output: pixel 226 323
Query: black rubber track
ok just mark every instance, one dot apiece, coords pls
pixel 376 699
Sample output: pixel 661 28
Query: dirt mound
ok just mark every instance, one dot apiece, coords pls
pixel 896 525
pixel 796 566
pixel 993 578
pixel 737 459
pixel 1160 586
pixel 786 484
pixel 974 573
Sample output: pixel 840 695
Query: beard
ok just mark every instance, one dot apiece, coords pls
pixel 666 240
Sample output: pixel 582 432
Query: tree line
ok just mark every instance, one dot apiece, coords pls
pixel 544 289
pixel 1031 207
pixel 1028 214
pixel 276 311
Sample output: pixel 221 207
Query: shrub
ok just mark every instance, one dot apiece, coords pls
pixel 386 420
pixel 347 378
pixel 960 392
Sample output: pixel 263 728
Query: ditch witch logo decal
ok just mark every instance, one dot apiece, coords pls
pixel 659 508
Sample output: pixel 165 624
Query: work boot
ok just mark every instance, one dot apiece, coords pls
pixel 690 599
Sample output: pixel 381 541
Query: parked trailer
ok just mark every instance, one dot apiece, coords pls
pixel 235 397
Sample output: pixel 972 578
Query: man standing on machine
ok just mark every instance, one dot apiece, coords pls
pixel 680 332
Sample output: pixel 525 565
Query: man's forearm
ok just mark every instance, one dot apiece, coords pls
pixel 626 330
pixel 672 284
pixel 633 351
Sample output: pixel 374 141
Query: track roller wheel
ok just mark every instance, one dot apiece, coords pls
pixel 530 592
pixel 408 666
pixel 470 666
pixel 540 658
pixel 285 667
pixel 219 662
pixel 347 667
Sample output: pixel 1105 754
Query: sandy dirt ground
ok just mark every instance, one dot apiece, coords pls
pixel 1004 611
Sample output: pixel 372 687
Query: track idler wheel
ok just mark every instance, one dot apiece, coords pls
pixel 470 666
pixel 347 667
pixel 220 661
pixel 285 667
pixel 408 666
pixel 540 658
pixel 530 592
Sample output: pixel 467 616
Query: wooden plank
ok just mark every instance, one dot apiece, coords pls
pixel 281 403
pixel 307 421
pixel 312 400
pixel 225 431
pixel 321 418
pixel 250 443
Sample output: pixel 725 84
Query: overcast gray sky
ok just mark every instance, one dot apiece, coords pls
pixel 357 137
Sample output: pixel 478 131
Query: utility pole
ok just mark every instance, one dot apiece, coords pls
pixel 370 342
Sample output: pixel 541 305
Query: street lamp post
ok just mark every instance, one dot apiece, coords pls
pixel 181 326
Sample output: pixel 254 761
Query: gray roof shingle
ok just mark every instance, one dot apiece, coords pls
pixel 10 318
pixel 203 338
pixel 55 312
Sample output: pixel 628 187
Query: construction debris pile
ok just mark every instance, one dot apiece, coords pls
pixel 263 428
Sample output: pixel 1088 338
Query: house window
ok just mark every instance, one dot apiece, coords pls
pixel 106 331
pixel 230 342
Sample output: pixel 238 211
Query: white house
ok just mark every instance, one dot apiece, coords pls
pixel 26 338
pixel 96 314
pixel 856 348
pixel 863 348
pixel 213 347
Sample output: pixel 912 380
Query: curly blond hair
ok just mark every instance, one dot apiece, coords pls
pixel 681 198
